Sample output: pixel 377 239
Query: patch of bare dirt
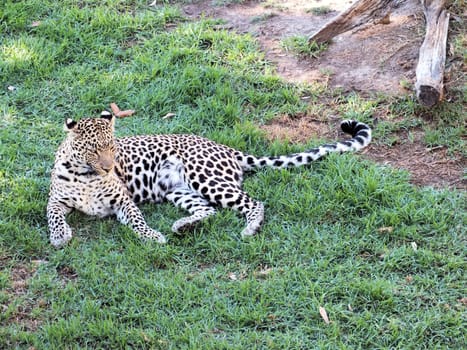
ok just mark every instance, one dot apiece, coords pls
pixel 377 57
pixel 20 276
pixel 297 129
pixel 21 302
pixel 427 166
pixel 66 274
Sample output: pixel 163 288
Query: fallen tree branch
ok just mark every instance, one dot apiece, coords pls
pixel 359 13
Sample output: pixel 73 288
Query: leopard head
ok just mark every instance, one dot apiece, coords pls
pixel 93 142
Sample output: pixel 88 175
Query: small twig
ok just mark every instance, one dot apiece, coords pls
pixel 121 114
pixel 431 149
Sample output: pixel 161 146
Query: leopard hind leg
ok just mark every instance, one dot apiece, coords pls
pixel 201 208
pixel 237 199
pixel 194 203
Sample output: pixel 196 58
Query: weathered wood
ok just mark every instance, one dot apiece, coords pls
pixel 359 13
pixel 432 57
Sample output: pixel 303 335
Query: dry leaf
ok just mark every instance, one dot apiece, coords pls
pixel 414 246
pixel 350 307
pixel 38 262
pixel 216 331
pixel 263 272
pixel 387 229
pixel 324 314
pixel 408 278
pixel 232 276
pixel 145 337
pixel 169 115
pixel 35 24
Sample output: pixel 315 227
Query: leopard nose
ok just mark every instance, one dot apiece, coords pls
pixel 107 168
pixel 106 163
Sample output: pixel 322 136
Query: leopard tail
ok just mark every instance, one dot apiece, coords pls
pixel 361 137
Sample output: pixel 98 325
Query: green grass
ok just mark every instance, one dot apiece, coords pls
pixel 300 46
pixel 320 10
pixel 264 17
pixel 339 234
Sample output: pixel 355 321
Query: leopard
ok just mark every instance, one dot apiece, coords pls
pixel 102 175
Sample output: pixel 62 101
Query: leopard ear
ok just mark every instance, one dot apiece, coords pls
pixel 108 116
pixel 70 124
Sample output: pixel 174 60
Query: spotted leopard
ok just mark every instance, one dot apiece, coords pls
pixel 101 175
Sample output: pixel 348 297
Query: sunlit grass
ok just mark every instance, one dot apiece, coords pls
pixel 18 52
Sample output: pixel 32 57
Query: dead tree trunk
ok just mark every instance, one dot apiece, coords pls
pixel 430 68
pixel 361 12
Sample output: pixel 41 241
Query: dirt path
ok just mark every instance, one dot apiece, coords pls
pixel 375 58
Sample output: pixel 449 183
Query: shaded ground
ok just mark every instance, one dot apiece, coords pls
pixel 378 57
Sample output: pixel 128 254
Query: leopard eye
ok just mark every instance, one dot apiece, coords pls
pixel 109 147
pixel 91 150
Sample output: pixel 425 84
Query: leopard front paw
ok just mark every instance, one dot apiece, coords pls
pixel 160 238
pixel 61 238
pixel 154 235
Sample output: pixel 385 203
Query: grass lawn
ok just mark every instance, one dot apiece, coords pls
pixel 385 259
